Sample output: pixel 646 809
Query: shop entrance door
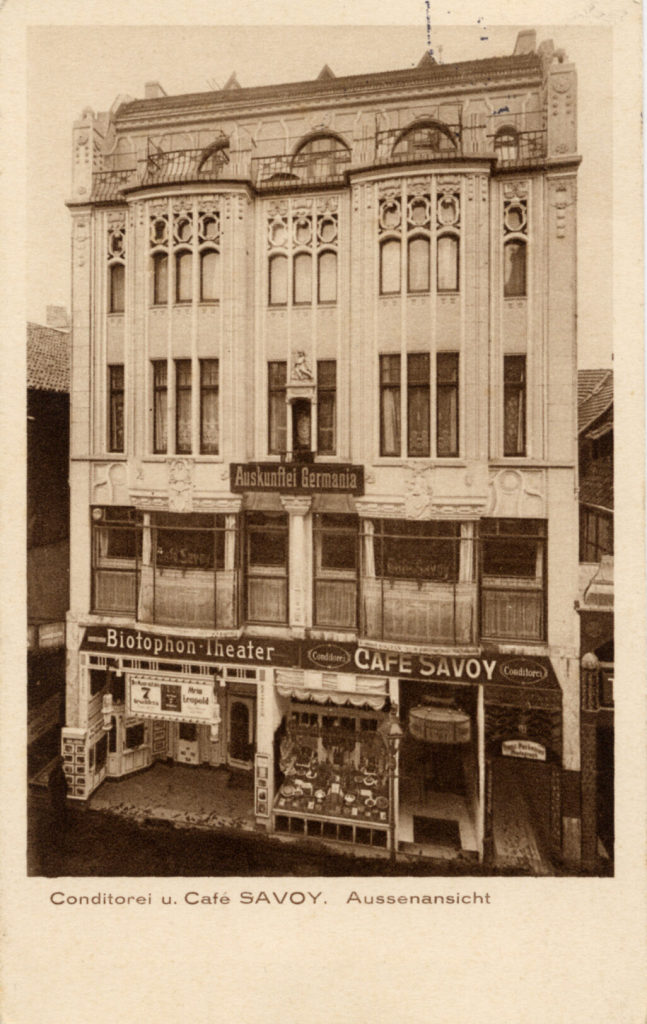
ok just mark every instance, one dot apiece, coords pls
pixel 521 813
pixel 241 715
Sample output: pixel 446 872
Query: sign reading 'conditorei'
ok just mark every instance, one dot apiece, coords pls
pixel 297 477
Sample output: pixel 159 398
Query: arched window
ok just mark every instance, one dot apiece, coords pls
pixel 278 283
pixel 447 263
pixel 209 278
pixel 160 278
pixel 514 268
pixel 117 287
pixel 321 157
pixel 327 276
pixel 183 275
pixel 390 267
pixel 418 264
pixel 302 272
pixel 506 145
pixel 424 140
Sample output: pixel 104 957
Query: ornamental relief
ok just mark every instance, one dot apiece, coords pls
pixel 515 189
pixel 418 492
pixel 109 484
pixel 180 485
pixel 516 492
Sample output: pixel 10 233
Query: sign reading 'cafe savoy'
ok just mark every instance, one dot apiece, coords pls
pixel 297 478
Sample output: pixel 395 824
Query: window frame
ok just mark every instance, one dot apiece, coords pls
pixel 204 256
pixel 412 239
pixel 117 294
pixel 277 394
pixel 273 261
pixel 415 389
pixel 183 257
pixel 445 236
pixel 518 388
pixel 182 390
pixel 209 388
pixel 327 390
pixel 384 243
pixel 326 525
pixel 320 256
pixel 395 388
pixel 298 260
pixel 445 388
pixel 511 289
pixel 510 532
pixel 160 390
pixel 160 266
pixel 116 408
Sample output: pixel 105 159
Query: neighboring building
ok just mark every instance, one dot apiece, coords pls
pixel 323 457
pixel 595 434
pixel 48 553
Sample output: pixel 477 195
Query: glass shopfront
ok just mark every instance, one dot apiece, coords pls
pixel 332 778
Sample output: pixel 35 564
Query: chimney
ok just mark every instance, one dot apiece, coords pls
pixel 153 91
pixel 57 318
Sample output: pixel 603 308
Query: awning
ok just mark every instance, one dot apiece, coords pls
pixel 325 687
pixel 343 504
pixel 263 501
pixel 356 700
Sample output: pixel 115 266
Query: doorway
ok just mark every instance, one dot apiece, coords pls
pixel 241 729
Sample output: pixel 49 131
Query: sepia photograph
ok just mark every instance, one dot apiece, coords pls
pixel 314 540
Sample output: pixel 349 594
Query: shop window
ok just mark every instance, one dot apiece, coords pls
pixel 418 264
pixel 160 408
pixel 100 753
pixel 277 408
pixel 327 276
pixel 302 278
pixel 183 406
pixel 514 268
pixel 117 287
pixel 418 404
pixel 336 563
pixel 116 408
pixel 209 276
pixel 326 406
pixel 112 736
pixel 97 681
pixel 447 252
pixel 278 283
pixel 135 736
pixel 116 542
pixel 390 405
pixel 267 567
pixel 447 404
pixel 183 277
pixel 513 578
pixel 160 279
pixel 188 731
pixel 390 267
pixel 514 405
pixel 209 391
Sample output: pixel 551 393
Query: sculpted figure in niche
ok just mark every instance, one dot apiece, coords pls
pixel 300 368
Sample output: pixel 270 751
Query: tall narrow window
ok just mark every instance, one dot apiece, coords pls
pixel 327 276
pixel 209 290
pixel 418 404
pixel 183 406
pixel 183 275
pixel 277 408
pixel 117 287
pixel 389 405
pixel 447 268
pixel 514 268
pixel 302 270
pixel 326 406
pixel 447 404
pixel 160 278
pixel 160 413
pixel 278 284
pixel 514 405
pixel 209 384
pixel 418 264
pixel 390 267
pixel 116 408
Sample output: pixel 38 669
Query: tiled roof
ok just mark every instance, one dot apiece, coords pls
pixel 48 358
pixel 596 487
pixel 430 74
pixel 595 396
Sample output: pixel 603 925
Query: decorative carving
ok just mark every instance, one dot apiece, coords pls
pixel 562 195
pixel 227 505
pixel 515 189
pixel 296 504
pixel 418 494
pixel 448 183
pixel 109 484
pixel 389 188
pixel 277 208
pixel 180 485
pixel 81 240
pixel 327 204
pixel 380 508
pixel 516 492
pixel 300 368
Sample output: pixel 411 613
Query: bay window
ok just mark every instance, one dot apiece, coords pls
pixel 390 405
pixel 326 406
pixel 447 251
pixel 277 407
pixel 160 408
pixel 116 540
pixel 267 567
pixel 514 405
pixel 336 563
pixel 183 406
pixel 513 567
pixel 447 404
pixel 209 391
pixel 418 404
pixel 160 279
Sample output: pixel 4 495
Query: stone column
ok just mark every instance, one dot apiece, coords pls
pixel 300 578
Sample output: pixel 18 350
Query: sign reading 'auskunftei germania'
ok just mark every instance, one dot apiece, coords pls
pixel 297 477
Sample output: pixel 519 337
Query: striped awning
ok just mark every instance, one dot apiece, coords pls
pixel 330 687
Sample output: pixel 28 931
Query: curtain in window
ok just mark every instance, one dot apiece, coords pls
pixel 390 421
pixel 302 278
pixel 390 267
pixel 183 274
pixel 183 405
pixel 514 405
pixel 117 287
pixel 447 253
pixel 160 439
pixel 466 555
pixel 209 424
pixel 514 268
pixel 327 279
pixel 278 280
pixel 368 544
pixel 418 265
pixel 160 278
pixel 209 276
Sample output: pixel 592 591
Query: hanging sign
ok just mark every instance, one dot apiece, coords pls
pixel 168 698
pixel 524 748
pixel 297 478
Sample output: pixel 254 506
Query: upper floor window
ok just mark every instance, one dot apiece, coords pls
pixel 326 406
pixel 320 158
pixel 160 406
pixel 160 278
pixel 447 404
pixel 302 278
pixel 209 391
pixel 116 268
pixel 116 407
pixel 209 276
pixel 390 266
pixel 267 567
pixel 116 544
pixel 515 235
pixel 277 407
pixel 327 276
pixel 447 267
pixel 418 404
pixel 302 257
pixel 336 546
pixel 418 264
pixel 117 287
pixel 183 406
pixel 424 140
pixel 406 215
pixel 506 145
pixel 514 405
pixel 278 284
pixel 390 405
pixel 513 578
pixel 178 238
pixel 183 276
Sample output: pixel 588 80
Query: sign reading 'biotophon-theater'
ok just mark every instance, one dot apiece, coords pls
pixel 297 478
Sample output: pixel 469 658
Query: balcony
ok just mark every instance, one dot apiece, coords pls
pixel 108 185
pixel 282 172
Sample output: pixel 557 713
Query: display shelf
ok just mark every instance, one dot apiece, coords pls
pixel 342 830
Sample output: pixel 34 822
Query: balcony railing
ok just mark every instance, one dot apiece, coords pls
pixel 107 185
pixel 283 171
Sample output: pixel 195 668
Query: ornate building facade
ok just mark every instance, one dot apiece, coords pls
pixel 323 452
